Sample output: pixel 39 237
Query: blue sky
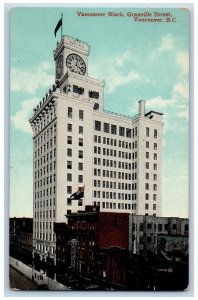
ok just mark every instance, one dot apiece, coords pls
pixel 137 60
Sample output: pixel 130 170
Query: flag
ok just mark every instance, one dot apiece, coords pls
pixel 78 195
pixel 59 24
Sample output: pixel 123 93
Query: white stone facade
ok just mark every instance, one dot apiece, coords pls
pixel 117 159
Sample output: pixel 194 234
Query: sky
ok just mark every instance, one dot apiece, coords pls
pixel 137 60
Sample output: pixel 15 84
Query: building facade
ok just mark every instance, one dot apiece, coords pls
pixel 159 235
pixel 20 238
pixel 77 144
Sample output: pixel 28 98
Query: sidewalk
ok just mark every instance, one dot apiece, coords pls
pixel 39 278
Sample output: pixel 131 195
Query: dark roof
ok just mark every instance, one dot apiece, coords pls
pixel 155 112
pixel 84 214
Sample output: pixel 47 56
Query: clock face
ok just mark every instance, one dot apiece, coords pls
pixel 59 67
pixel 76 64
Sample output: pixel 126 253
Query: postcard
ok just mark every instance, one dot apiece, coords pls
pixel 99 148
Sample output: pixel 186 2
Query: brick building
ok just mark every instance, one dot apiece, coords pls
pixel 148 233
pixel 20 235
pixel 97 241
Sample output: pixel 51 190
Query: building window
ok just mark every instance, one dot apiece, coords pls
pixel 80 166
pixel 80 154
pixel 159 227
pixel 147 186
pixel 155 156
pixel 69 164
pixel 70 112
pixel 78 90
pixel 174 226
pixel 147 144
pixel 80 202
pixel 154 177
pixel 80 130
pixel 147 176
pixel 69 152
pixel 147 131
pixel 69 127
pixel 113 129
pixel 80 142
pixel 93 94
pixel 146 196
pixel 98 125
pixel 155 167
pixel 155 133
pixel 106 127
pixel 154 206
pixel 146 206
pixel 155 146
pixel 69 140
pixel 155 187
pixel 80 178
pixel 81 115
pixel 128 132
pixel 69 189
pixel 121 131
pixel 154 197
pixel 69 177
pixel 186 227
pixel 147 165
pixel 147 154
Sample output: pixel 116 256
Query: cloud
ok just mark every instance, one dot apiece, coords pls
pixel 159 102
pixel 182 89
pixel 117 79
pixel 30 81
pixel 113 69
pixel 167 43
pixel 119 60
pixel 20 119
pixel 182 59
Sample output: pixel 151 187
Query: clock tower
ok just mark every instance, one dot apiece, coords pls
pixel 71 76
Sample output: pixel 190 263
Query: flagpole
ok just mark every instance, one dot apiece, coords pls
pixel 62 26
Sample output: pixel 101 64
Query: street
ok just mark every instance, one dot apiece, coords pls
pixel 19 282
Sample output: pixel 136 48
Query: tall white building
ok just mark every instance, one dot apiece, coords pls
pixel 117 159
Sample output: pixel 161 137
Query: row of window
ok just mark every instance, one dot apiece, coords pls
pixel 70 128
pixel 45 170
pixel 45 236
pixel 154 186
pixel 46 147
pixel 114 142
pixel 43 225
pixel 70 113
pixel 114 195
pixel 147 196
pixel 113 174
pixel 125 206
pixel 154 206
pixel 45 214
pixel 46 249
pixel 110 184
pixel 44 203
pixel 45 181
pixel 114 129
pixel 45 158
pixel 69 179
pixel 45 136
pixel 43 193
pixel 148 133
pixel 160 227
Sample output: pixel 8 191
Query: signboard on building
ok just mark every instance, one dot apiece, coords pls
pixel 173 247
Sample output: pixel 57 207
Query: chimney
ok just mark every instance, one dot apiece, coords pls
pixel 142 108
